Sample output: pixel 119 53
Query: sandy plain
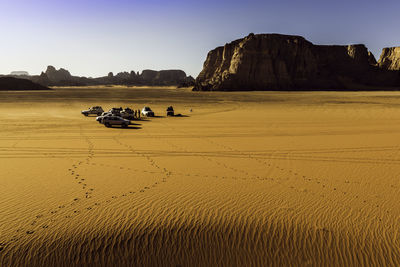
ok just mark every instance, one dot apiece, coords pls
pixel 246 179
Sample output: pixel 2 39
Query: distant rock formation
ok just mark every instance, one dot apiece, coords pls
pixel 19 73
pixel 14 84
pixel 62 77
pixel 42 79
pixel 163 77
pixel 188 82
pixel 390 58
pixel 147 77
pixel 284 62
pixel 56 76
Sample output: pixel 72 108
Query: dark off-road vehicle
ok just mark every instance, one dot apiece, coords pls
pixel 170 111
pixel 128 114
pixel 116 111
pixel 110 121
pixel 96 110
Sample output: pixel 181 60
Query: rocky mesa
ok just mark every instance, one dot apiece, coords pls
pixel 285 62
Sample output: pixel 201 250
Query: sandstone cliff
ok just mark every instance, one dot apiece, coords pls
pixel 390 58
pixel 372 59
pixel 283 62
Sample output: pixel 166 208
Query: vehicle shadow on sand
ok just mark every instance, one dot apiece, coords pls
pixel 174 116
pixel 127 128
pixel 180 116
pixel 132 126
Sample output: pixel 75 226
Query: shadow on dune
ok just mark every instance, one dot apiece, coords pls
pixel 177 116
pixel 158 116
pixel 234 241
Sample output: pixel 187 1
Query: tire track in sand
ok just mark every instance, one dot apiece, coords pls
pixel 293 175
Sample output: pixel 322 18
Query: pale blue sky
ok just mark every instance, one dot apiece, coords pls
pixel 91 38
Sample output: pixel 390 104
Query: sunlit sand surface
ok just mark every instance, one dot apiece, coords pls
pixel 246 179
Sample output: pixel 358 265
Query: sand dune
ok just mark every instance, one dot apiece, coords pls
pixel 247 179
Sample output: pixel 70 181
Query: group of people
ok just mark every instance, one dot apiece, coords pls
pixel 136 113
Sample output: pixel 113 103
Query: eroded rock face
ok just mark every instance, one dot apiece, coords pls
pixel 390 58
pixel 283 62
pixel 371 59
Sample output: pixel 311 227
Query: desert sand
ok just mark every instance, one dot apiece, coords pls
pixel 245 179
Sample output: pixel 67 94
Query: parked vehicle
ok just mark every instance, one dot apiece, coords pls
pixel 128 114
pixel 96 110
pixel 146 111
pixel 170 111
pixel 104 114
pixel 116 111
pixel 110 121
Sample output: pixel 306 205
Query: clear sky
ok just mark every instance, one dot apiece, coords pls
pixel 91 38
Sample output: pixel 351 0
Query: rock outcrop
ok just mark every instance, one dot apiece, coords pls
pixel 283 62
pixel 57 76
pixel 62 77
pixel 14 84
pixel 163 77
pixel 188 82
pixel 390 58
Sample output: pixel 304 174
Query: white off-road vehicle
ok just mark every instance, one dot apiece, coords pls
pixel 146 111
pixel 96 110
pixel 115 120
